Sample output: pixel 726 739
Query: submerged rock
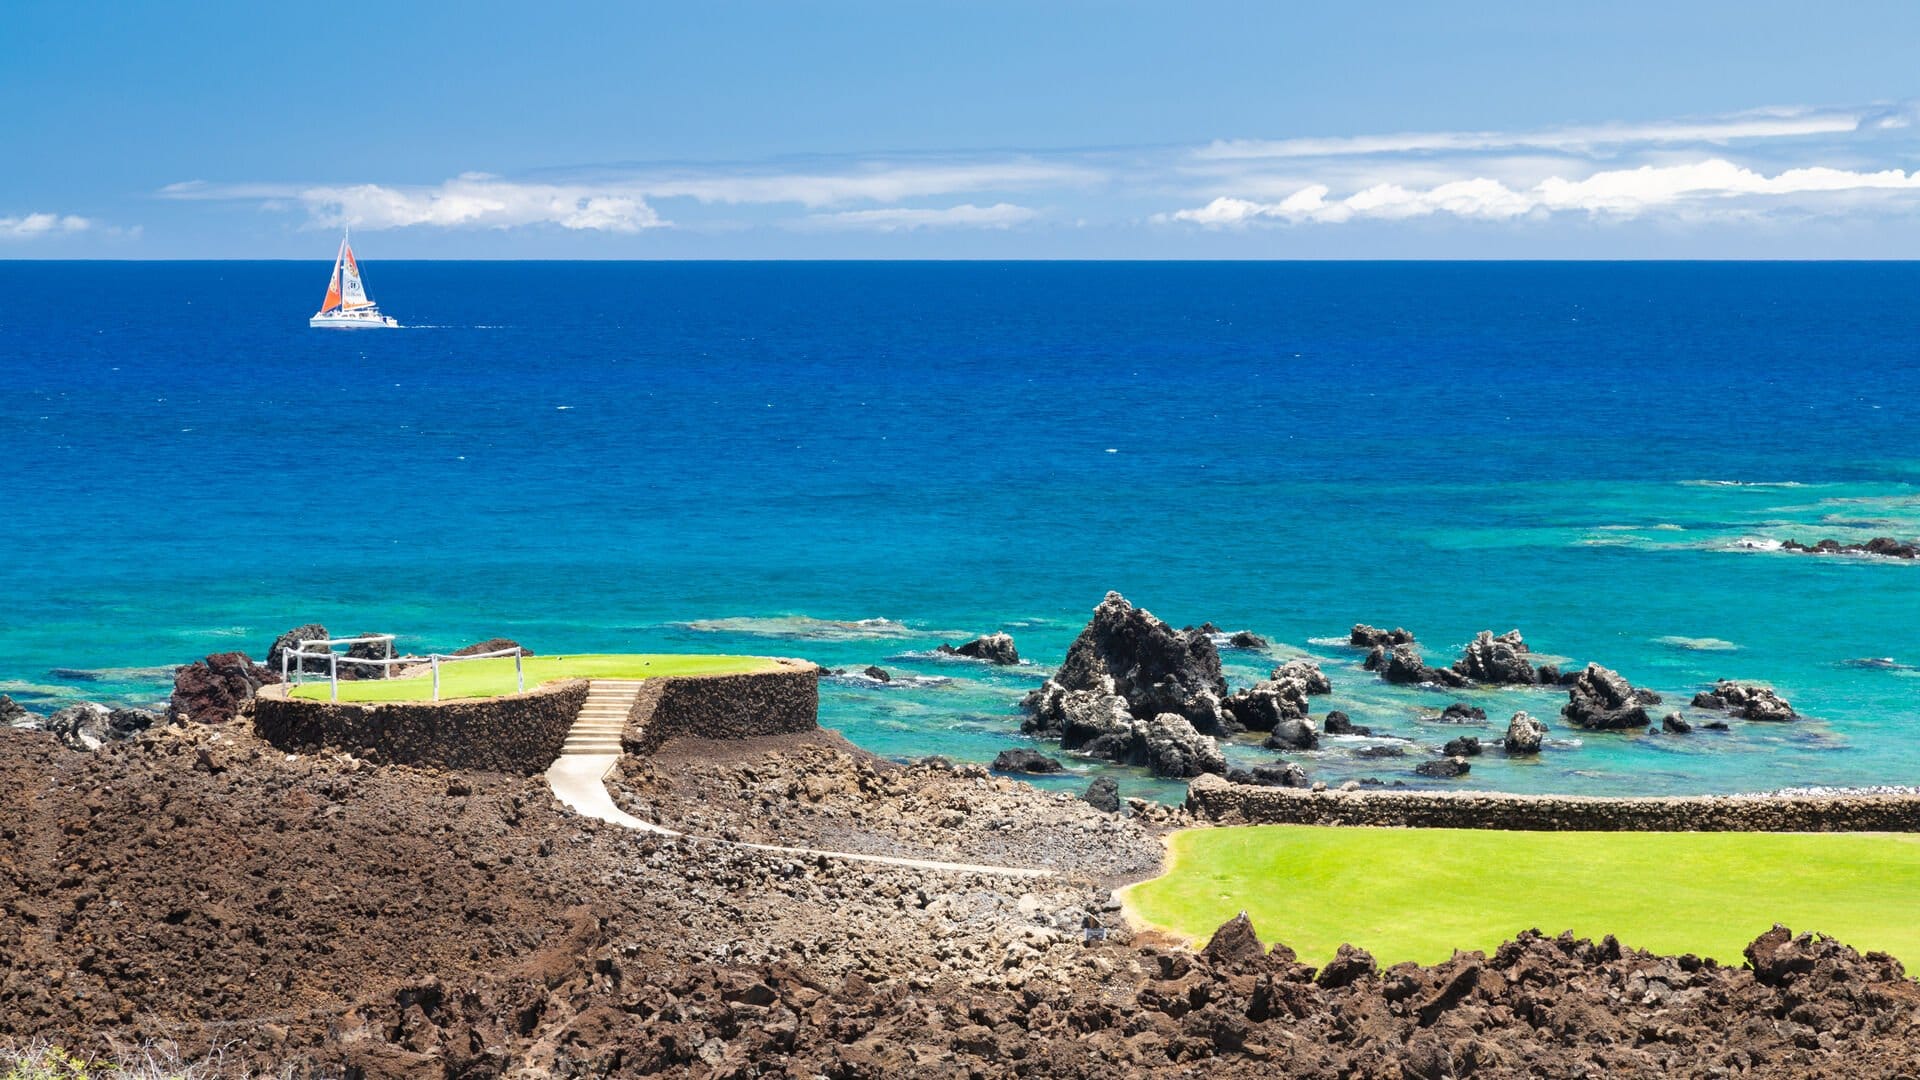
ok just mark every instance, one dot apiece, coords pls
pixel 1497 661
pixel 1464 746
pixel 1600 699
pixel 1247 639
pixel 1445 768
pixel 1675 724
pixel 1750 701
pixel 1021 760
pixel 1103 794
pixel 212 691
pixel 1460 712
pixel 1524 735
pixel 1370 637
pixel 1383 750
pixel 1885 547
pixel 994 648
pixel 876 674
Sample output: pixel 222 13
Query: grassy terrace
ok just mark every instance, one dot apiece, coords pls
pixel 1417 894
pixel 493 676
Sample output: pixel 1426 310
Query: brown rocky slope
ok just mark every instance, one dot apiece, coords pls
pixel 320 916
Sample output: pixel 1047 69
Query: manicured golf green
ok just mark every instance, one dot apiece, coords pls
pixel 1418 894
pixel 494 675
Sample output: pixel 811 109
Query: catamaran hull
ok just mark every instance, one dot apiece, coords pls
pixel 353 322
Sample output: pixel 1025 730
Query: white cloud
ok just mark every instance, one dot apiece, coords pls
pixel 478 201
pixel 29 226
pixel 867 183
pixel 900 218
pixel 1613 192
pixel 1764 124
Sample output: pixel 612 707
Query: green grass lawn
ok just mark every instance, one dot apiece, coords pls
pixel 1417 894
pixel 494 675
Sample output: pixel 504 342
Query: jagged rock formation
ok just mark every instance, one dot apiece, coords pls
pixel 1497 661
pixel 995 648
pixel 1750 701
pixel 1601 700
pixel 1124 674
pixel 1524 735
pixel 1401 664
pixel 213 690
pixel 291 640
pixel 1279 705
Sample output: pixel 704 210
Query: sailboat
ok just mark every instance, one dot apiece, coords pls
pixel 348 307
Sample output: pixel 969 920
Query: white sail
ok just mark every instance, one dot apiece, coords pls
pixel 353 291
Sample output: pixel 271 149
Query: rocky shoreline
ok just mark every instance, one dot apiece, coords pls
pixel 313 914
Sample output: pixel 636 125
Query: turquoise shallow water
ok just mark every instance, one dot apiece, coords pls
pixel 750 456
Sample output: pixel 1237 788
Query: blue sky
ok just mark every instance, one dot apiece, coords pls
pixel 961 130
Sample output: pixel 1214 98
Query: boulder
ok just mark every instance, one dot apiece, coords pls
pixel 1464 746
pixel 1103 794
pixel 212 691
pixel 88 726
pixel 1021 760
pixel 1751 701
pixel 1370 637
pixel 291 640
pixel 1152 668
pixel 1675 724
pixel 995 648
pixel 498 644
pixel 1445 768
pixel 1383 750
pixel 1349 965
pixel 1294 733
pixel 1601 700
pixel 1524 735
pixel 1305 673
pixel 1339 723
pixel 15 715
pixel 877 674
pixel 1496 661
pixel 1234 943
pixel 1247 639
pixel 1172 747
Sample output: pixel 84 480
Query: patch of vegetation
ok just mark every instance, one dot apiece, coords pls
pixel 1418 894
pixel 494 675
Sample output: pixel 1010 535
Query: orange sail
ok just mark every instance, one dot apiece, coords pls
pixel 333 292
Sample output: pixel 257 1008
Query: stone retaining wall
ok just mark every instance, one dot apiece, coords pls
pixel 1214 799
pixel 519 733
pixel 775 702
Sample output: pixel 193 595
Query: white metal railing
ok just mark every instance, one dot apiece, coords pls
pixel 293 661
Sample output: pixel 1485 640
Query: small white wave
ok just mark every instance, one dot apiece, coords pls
pixel 1696 644
pixel 808 628
pixel 1743 483
pixel 1329 642
pixel 1753 543
pixel 861 678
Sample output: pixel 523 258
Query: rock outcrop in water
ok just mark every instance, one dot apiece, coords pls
pixel 1885 547
pixel 1279 704
pixel 1123 675
pixel 1524 735
pixel 212 691
pixel 1601 700
pixel 995 648
pixel 1247 639
pixel 290 641
pixel 1372 637
pixel 1445 768
pixel 1497 661
pixel 1402 665
pixel 1749 701
pixel 498 644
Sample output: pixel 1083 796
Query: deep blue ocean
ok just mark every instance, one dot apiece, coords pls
pixel 854 462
